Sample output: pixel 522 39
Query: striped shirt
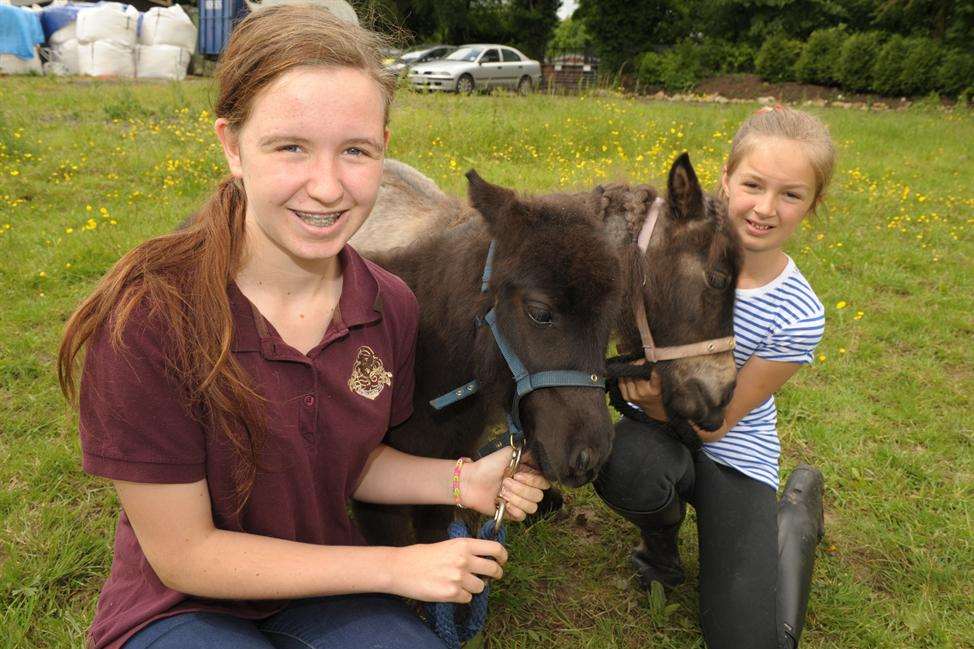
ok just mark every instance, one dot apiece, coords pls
pixel 780 321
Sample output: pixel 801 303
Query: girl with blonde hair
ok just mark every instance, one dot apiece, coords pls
pixel 756 553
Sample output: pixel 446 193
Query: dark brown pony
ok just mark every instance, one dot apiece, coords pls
pixel 555 287
pixel 563 257
pixel 687 277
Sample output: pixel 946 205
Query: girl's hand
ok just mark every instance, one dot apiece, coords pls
pixel 483 481
pixel 648 395
pixel 450 571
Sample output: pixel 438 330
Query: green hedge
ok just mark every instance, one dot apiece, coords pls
pixel 887 71
pixel 854 67
pixel 956 73
pixel 921 61
pixel 817 63
pixel 687 62
pixel 777 57
pixel 669 69
pixel 862 62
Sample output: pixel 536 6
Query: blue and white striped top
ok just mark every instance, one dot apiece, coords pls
pixel 780 321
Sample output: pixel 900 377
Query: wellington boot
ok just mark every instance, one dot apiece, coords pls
pixel 801 525
pixel 658 558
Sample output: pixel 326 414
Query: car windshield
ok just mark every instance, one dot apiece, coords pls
pixel 412 56
pixel 465 54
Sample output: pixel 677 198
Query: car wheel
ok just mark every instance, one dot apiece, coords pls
pixel 465 84
pixel 524 86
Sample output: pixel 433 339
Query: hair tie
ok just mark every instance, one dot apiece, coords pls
pixel 768 109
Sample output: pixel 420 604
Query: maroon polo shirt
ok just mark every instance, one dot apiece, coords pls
pixel 326 412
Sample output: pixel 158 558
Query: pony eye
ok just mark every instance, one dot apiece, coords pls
pixel 538 313
pixel 718 280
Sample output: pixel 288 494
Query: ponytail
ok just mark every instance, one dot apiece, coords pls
pixel 182 278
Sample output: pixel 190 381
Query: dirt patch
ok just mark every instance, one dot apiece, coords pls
pixel 751 87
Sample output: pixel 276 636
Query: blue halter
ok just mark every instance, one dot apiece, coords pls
pixel 443 615
pixel 525 381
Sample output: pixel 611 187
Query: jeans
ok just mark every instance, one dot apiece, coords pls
pixel 360 621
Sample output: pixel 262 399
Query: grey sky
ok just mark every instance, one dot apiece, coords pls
pixel 567 8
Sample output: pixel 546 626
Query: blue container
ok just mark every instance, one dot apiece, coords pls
pixel 217 18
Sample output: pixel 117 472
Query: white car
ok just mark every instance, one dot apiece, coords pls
pixel 478 67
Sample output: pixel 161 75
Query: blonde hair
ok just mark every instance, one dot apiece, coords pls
pixel 274 40
pixel 790 124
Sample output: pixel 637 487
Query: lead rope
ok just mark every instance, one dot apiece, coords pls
pixel 443 615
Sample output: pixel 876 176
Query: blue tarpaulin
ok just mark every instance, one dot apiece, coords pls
pixel 20 31
pixel 54 18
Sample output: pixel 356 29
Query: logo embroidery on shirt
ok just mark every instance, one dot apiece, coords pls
pixel 368 375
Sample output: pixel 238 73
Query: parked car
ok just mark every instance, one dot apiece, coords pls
pixel 478 67
pixel 419 55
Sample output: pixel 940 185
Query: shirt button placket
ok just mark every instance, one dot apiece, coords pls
pixel 308 418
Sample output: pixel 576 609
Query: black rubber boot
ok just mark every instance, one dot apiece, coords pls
pixel 658 558
pixel 801 524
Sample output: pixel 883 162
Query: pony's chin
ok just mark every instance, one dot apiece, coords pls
pixel 707 427
pixel 538 459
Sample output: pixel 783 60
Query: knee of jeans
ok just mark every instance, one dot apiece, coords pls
pixel 639 475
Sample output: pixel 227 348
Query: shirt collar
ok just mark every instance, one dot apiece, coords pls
pixel 360 303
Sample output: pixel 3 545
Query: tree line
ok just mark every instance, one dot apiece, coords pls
pixel 525 24
pixel 889 46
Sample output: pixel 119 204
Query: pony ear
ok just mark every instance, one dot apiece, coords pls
pixel 490 200
pixel 683 191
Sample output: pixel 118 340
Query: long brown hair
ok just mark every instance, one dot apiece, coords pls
pixel 182 277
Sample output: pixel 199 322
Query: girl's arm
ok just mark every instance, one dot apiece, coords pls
pixel 174 527
pixel 392 477
pixel 757 380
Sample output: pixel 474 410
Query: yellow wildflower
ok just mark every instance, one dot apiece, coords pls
pixel 841 304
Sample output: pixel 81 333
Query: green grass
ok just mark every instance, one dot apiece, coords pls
pixel 885 411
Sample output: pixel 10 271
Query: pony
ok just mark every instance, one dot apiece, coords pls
pixel 555 289
pixel 569 270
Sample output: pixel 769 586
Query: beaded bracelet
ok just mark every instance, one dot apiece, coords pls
pixel 456 480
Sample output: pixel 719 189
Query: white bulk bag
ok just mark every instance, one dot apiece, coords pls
pixel 108 22
pixel 63 58
pixel 13 64
pixel 340 8
pixel 106 59
pixel 168 26
pixel 63 35
pixel 161 62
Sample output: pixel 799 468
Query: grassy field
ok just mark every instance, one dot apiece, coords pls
pixel 89 168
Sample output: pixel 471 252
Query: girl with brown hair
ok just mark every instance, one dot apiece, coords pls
pixel 240 374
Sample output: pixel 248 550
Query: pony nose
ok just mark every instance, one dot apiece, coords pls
pixel 713 421
pixel 583 463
